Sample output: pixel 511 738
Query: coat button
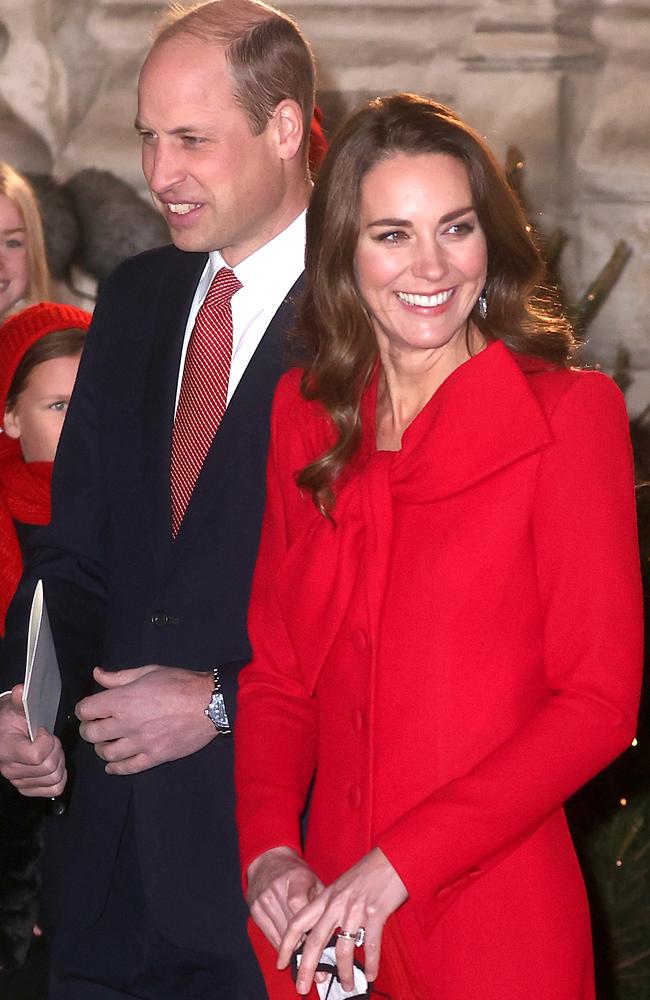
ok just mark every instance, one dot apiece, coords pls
pixel 359 640
pixel 357 720
pixel 355 797
pixel 160 619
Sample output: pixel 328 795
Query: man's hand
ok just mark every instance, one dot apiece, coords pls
pixel 280 884
pixel 35 769
pixel 146 716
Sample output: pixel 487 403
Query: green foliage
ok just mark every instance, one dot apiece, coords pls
pixel 610 822
pixel 613 841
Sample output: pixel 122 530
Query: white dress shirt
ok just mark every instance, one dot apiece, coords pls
pixel 267 275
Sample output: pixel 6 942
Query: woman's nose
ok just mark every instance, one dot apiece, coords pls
pixel 429 263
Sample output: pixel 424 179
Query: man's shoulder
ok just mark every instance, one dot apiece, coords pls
pixel 139 297
pixel 157 265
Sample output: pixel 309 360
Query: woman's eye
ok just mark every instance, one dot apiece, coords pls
pixel 461 229
pixel 14 244
pixel 59 405
pixel 394 236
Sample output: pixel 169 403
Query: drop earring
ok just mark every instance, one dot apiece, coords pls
pixel 482 304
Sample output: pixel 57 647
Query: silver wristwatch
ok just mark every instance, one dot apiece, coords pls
pixel 216 707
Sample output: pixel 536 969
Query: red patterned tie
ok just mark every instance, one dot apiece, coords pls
pixel 204 390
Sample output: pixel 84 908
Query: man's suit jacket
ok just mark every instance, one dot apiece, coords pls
pixel 122 594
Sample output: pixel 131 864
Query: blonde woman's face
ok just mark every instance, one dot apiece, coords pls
pixel 14 268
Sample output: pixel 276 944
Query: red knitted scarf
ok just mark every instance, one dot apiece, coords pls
pixel 24 497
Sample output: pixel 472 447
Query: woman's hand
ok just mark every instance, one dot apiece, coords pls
pixel 280 884
pixel 364 896
pixel 35 768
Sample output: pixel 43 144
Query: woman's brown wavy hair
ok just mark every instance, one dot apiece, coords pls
pixel 335 328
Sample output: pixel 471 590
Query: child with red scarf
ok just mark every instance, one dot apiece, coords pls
pixel 40 348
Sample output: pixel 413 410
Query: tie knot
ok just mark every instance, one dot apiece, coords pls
pixel 224 285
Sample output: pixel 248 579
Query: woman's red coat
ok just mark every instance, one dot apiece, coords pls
pixel 452 659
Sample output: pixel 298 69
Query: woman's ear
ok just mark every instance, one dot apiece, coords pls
pixel 11 424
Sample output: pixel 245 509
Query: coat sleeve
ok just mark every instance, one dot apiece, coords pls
pixel 584 532
pixel 273 773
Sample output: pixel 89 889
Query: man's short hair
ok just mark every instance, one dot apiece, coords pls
pixel 269 59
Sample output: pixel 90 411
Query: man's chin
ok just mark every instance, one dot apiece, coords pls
pixel 190 242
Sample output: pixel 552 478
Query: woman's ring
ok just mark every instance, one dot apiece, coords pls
pixel 358 937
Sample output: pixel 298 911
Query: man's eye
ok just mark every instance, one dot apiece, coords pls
pixel 147 137
pixel 193 140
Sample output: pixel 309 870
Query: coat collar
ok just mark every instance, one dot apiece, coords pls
pixel 484 417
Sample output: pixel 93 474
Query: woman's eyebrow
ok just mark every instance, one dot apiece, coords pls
pixel 391 222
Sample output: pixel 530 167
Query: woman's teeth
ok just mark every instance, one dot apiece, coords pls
pixel 425 300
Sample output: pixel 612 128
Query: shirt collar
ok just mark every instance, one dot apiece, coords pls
pixel 270 263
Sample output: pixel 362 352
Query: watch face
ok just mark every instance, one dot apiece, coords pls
pixel 217 711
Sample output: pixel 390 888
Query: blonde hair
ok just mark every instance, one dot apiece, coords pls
pixel 14 186
pixel 269 59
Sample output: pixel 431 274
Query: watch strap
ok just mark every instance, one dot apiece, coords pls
pixel 216 707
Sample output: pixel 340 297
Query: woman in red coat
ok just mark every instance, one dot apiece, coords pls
pixel 446 617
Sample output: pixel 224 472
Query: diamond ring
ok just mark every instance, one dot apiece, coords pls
pixel 357 936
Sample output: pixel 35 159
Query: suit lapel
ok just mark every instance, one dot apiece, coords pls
pixel 169 314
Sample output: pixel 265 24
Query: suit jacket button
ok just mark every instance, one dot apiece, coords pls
pixel 359 640
pixel 160 619
pixel 355 797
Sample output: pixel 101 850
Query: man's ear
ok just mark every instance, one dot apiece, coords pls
pixel 289 128
pixel 11 424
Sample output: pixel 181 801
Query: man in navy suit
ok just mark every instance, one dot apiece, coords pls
pixel 150 903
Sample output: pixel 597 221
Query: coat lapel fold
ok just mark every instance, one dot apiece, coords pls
pixel 482 419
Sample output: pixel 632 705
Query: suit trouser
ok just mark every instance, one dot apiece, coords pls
pixel 122 955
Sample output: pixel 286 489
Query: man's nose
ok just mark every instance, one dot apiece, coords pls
pixel 166 171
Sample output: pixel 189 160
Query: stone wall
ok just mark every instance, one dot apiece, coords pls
pixel 567 81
